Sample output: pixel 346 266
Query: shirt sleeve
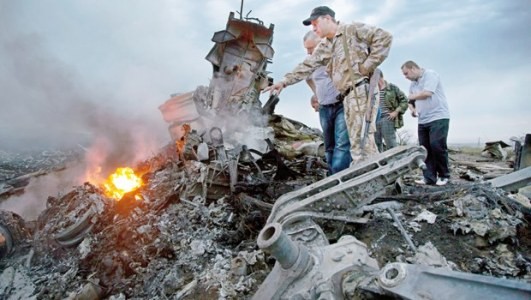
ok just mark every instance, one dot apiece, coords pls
pixel 320 57
pixel 431 80
pixel 379 42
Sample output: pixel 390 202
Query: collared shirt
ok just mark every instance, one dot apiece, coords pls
pixel 367 45
pixel 324 88
pixel 432 108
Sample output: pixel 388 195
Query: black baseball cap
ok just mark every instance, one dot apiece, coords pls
pixel 317 12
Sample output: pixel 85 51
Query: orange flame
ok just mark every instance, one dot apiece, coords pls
pixel 122 181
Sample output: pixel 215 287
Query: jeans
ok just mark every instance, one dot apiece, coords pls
pixel 432 136
pixel 336 140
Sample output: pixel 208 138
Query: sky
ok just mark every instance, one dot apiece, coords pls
pixel 73 69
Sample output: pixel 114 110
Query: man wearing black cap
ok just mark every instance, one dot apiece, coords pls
pixel 351 53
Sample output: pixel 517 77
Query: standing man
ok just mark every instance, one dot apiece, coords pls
pixel 433 118
pixel 331 115
pixel 393 105
pixel 351 52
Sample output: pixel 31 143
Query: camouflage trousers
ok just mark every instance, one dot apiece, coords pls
pixel 355 105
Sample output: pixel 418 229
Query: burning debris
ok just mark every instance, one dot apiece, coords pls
pixel 240 210
pixel 124 180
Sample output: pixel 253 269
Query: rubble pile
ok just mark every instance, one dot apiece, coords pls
pixel 475 227
pixel 168 239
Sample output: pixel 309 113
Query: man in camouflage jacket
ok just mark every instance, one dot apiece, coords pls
pixel 393 104
pixel 367 47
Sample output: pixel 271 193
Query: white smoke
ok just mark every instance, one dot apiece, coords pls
pixel 45 104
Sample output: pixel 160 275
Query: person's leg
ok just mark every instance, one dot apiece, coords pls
pixel 424 140
pixel 341 159
pixel 389 133
pixel 355 120
pixel 439 147
pixel 327 124
pixel 378 136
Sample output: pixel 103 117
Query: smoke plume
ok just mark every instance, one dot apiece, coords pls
pixel 45 104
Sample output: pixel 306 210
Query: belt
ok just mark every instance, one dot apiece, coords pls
pixel 332 104
pixel 342 96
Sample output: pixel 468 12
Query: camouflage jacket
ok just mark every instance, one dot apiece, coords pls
pixel 367 45
pixel 395 100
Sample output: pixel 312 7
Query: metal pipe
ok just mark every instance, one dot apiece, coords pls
pixel 402 230
pixel 274 241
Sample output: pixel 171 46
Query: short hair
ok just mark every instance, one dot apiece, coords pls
pixel 310 35
pixel 410 65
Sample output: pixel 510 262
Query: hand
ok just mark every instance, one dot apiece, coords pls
pixel 363 70
pixel 411 97
pixel 314 103
pixel 392 115
pixel 274 89
pixel 414 113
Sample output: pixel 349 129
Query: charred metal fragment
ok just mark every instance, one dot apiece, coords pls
pixel 180 109
pixel 247 158
pixel 218 183
pixel 188 143
pixel 69 220
pixel 402 230
pixel 340 196
pixel 75 233
pixel 495 149
pixel 13 232
pixel 310 273
pixel 239 59
pixel 283 172
pixel 246 200
pixel 522 153
pixel 270 105
pixel 423 282
pixel 513 181
pixel 6 241
pixel 216 137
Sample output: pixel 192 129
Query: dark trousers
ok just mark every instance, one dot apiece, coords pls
pixel 433 136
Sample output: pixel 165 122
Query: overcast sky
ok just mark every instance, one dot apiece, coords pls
pixel 65 63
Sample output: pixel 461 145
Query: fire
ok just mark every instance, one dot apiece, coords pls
pixel 122 181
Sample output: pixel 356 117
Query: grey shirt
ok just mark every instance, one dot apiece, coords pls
pixel 432 108
pixel 324 88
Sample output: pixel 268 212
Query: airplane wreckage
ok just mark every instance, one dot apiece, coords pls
pixel 238 206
